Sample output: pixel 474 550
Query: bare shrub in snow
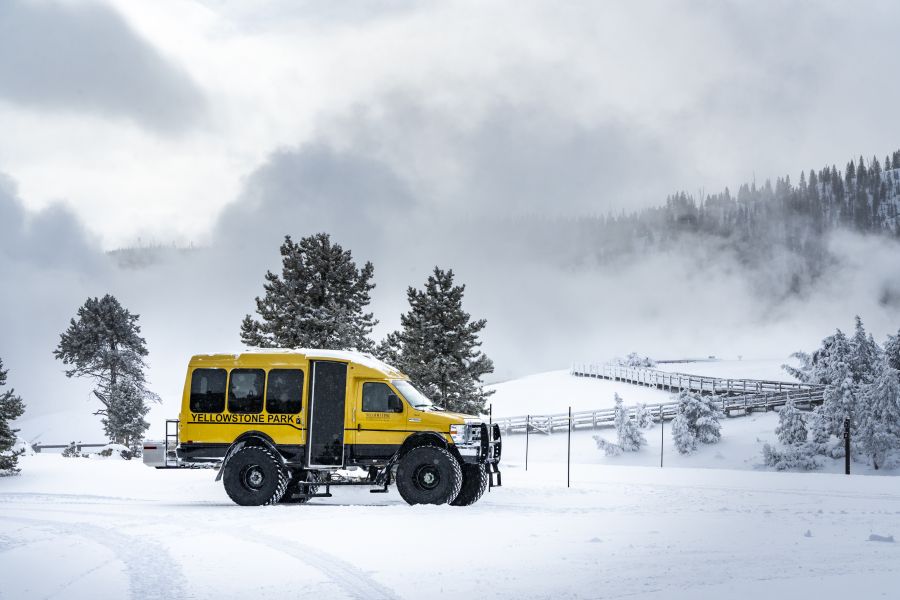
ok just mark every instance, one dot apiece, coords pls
pixel 697 421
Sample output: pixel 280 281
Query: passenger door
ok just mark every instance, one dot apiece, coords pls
pixel 380 420
pixel 327 403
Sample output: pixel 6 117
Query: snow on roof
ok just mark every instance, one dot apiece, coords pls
pixel 362 358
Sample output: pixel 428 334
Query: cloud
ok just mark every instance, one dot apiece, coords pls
pixel 84 57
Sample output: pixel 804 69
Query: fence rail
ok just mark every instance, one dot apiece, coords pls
pixel 78 446
pixel 684 381
pixel 763 396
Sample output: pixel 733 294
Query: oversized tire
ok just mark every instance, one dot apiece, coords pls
pixel 299 494
pixel 475 482
pixel 428 475
pixel 255 476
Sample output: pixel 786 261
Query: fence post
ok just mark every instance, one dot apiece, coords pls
pixel 569 453
pixel 527 429
pixel 662 435
pixel 847 445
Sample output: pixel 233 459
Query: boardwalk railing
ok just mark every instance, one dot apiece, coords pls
pixel 761 396
pixel 683 381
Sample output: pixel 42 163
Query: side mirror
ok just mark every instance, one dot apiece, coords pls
pixel 394 404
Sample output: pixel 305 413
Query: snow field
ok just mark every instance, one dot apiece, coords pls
pixel 78 528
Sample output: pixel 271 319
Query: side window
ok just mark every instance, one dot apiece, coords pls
pixel 245 394
pixel 285 392
pixel 208 390
pixel 375 398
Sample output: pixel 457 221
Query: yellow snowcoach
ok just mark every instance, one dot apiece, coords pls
pixel 288 425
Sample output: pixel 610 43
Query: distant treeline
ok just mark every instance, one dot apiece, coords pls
pixel 760 219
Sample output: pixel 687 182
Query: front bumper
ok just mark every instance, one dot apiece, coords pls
pixel 484 445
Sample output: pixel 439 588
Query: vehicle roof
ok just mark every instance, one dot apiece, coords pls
pixel 289 356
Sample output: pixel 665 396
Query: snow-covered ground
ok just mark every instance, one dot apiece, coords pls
pixel 735 369
pixel 78 528
pixel 712 525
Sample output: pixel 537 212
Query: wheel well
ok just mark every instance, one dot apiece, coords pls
pixel 248 438
pixel 426 438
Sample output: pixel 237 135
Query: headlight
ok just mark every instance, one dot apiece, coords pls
pixel 458 434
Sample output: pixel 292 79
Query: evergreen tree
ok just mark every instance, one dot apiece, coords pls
pixel 318 301
pixel 438 346
pixel 840 399
pixel 643 417
pixel 697 421
pixel 104 344
pixel 124 420
pixel 892 350
pixel 865 355
pixel 11 408
pixel 629 435
pixel 879 428
pixel 791 428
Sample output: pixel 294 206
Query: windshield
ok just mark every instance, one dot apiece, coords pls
pixel 414 397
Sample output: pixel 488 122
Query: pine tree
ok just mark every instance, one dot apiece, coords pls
pixel 438 346
pixel 318 301
pixel 892 350
pixel 124 420
pixel 11 408
pixel 697 421
pixel 840 400
pixel 643 417
pixel 104 344
pixel 629 435
pixel 865 355
pixel 791 428
pixel 879 427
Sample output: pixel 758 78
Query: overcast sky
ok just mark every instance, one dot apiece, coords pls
pixel 147 118
pixel 403 128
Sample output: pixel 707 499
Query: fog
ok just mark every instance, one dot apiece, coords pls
pixel 547 303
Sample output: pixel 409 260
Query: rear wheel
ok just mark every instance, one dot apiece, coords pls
pixel 475 482
pixel 428 475
pixel 255 476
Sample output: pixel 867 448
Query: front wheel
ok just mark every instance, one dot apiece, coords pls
pixel 428 475
pixel 475 482
pixel 255 476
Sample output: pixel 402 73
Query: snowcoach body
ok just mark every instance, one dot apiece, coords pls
pixel 288 425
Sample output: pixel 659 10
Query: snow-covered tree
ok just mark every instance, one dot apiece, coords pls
pixel 629 437
pixel 840 399
pixel 892 351
pixel 438 346
pixel 318 301
pixel 643 417
pixel 633 359
pixel 879 418
pixel 104 344
pixel 791 457
pixel 865 355
pixel 697 421
pixel 11 408
pixel 791 427
pixel 124 420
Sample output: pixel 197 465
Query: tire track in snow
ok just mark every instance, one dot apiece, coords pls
pixel 152 574
pixel 354 581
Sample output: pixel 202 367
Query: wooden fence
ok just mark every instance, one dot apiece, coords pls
pixel 666 380
pixel 763 396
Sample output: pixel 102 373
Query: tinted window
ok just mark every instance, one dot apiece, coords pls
pixel 284 395
pixel 375 397
pixel 245 393
pixel 208 390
